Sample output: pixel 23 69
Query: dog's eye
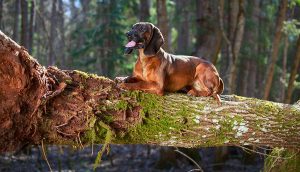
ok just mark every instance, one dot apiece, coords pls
pixel 142 30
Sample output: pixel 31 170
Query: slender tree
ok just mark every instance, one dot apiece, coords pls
pixel 209 35
pixel 31 25
pixel 182 24
pixel 275 48
pixel 237 16
pixel 248 66
pixel 294 71
pixel 61 33
pixel 144 13
pixel 53 24
pixel 284 71
pixel 40 42
pixel 16 20
pixel 24 23
pixel 162 21
pixel 1 14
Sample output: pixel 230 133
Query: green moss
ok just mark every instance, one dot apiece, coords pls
pixel 159 129
pixel 121 105
pixel 96 133
pixel 182 112
pixel 240 98
pixel 265 107
pixel 107 118
pixel 105 146
pixel 84 75
pixel 68 81
pixel 201 106
pixel 282 160
pixel 156 125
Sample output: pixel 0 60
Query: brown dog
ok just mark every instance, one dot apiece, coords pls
pixel 157 71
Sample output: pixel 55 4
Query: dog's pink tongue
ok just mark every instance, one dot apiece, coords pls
pixel 130 44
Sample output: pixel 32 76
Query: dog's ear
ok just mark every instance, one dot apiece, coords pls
pixel 156 41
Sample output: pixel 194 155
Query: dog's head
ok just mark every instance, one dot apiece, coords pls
pixel 145 36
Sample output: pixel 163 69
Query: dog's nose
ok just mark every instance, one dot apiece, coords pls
pixel 128 34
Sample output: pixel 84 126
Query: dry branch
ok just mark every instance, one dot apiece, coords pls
pixel 71 107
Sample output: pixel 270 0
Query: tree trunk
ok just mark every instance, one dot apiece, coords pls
pixel 209 35
pixel 24 23
pixel 52 55
pixel 16 21
pixel 71 107
pixel 275 48
pixel 31 25
pixel 61 33
pixel 283 74
pixel 163 22
pixel 182 24
pixel 294 71
pixel 1 14
pixel 42 33
pixel 236 37
pixel 144 14
pixel 255 17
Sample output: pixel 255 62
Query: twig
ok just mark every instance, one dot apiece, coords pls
pixel 264 154
pixel 193 161
pixel 67 134
pixel 45 156
pixel 78 135
pixel 57 126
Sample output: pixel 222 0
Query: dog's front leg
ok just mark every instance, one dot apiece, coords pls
pixel 150 87
pixel 132 79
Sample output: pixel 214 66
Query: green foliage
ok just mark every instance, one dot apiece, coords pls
pixel 293 3
pixel 103 38
pixel 291 27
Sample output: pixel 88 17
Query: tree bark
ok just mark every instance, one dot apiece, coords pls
pixel 236 37
pixel 255 17
pixel 182 24
pixel 56 106
pixel 294 71
pixel 42 32
pixel 24 23
pixel 163 22
pixel 16 21
pixel 275 48
pixel 31 25
pixel 251 54
pixel 1 14
pixel 61 33
pixel 209 35
pixel 283 73
pixel 144 14
pixel 53 24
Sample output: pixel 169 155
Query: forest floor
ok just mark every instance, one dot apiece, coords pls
pixel 129 158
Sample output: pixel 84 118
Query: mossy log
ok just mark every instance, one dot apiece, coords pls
pixel 54 106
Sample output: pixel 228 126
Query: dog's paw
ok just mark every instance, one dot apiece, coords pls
pixel 120 79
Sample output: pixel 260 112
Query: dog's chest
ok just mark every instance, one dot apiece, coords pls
pixel 146 66
pixel 150 67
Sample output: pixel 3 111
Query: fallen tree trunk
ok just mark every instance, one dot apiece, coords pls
pixel 71 107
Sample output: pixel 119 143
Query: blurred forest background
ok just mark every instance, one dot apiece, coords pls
pixel 252 43
pixel 255 44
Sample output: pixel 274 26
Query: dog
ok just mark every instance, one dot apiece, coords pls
pixel 157 71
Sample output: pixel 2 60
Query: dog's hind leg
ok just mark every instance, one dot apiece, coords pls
pixel 204 89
